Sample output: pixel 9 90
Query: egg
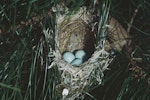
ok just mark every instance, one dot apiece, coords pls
pixel 68 57
pixel 65 92
pixel 77 62
pixel 80 54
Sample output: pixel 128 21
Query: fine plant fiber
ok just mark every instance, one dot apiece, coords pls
pixel 122 80
pixel 24 74
pixel 104 14
pixel 25 47
pixel 90 73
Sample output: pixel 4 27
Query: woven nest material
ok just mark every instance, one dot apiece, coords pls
pixel 76 31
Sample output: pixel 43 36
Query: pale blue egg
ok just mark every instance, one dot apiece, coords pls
pixel 77 62
pixel 80 54
pixel 68 57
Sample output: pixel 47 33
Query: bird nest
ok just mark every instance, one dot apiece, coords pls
pixel 74 32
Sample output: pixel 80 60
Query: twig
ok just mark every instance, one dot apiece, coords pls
pixel 132 18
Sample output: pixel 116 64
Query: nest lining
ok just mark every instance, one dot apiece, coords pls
pixel 72 34
pixel 76 79
pixel 79 26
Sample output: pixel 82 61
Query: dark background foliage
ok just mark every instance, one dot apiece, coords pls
pixel 23 47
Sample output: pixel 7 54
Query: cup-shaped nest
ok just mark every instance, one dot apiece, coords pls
pixel 73 32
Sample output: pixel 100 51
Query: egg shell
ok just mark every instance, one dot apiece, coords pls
pixel 80 54
pixel 68 57
pixel 77 62
pixel 65 92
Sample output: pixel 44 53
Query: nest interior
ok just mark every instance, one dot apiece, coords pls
pixel 72 33
pixel 75 34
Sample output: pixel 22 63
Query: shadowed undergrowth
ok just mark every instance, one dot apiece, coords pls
pixel 24 52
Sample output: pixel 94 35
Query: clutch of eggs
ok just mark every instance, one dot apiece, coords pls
pixel 68 56
pixel 77 62
pixel 80 54
pixel 75 59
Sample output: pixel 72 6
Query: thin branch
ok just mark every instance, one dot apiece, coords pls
pixel 132 18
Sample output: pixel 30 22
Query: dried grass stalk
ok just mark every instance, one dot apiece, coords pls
pixel 77 31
